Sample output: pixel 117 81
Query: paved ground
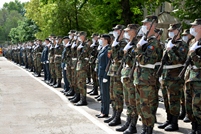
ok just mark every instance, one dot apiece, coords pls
pixel 29 106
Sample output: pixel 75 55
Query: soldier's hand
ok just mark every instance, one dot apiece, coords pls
pixel 104 80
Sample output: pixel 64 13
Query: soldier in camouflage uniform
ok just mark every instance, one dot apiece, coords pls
pixel 145 79
pixel 71 66
pixel 58 49
pixel 93 55
pixel 128 88
pixel 51 64
pixel 177 53
pixel 116 87
pixel 193 78
pixel 38 53
pixel 82 67
pixel 24 55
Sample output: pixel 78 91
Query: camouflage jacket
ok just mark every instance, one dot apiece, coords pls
pixel 83 57
pixel 117 54
pixel 176 58
pixel 58 49
pixel 73 55
pixel 51 54
pixel 147 56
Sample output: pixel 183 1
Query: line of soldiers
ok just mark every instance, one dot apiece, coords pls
pixel 140 64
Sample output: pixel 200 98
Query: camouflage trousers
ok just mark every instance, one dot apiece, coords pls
pixel 129 97
pixel 94 77
pixel 38 66
pixel 145 101
pixel 118 93
pixel 35 64
pixel 171 91
pixel 112 93
pixel 69 75
pixel 182 100
pixel 58 70
pixel 193 101
pixel 52 70
pixel 81 81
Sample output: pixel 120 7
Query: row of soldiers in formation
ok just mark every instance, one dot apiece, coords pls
pixel 138 66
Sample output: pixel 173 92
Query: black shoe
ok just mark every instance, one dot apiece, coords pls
pixel 72 97
pixel 97 97
pixel 90 91
pixel 58 83
pixel 112 117
pixel 116 121
pixel 194 128
pixel 182 113
pixel 82 102
pixel 103 116
pixel 186 119
pixel 125 125
pixel 53 82
pixel 70 92
pixel 62 91
pixel 167 122
pixel 76 99
pixel 144 129
pixel 174 124
pixel 149 130
pixel 132 126
pixel 95 91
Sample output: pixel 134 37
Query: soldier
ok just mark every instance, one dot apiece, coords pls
pixel 144 75
pixel 65 59
pixel 116 87
pixel 186 37
pixel 92 60
pixel 192 83
pixel 82 67
pixel 128 88
pixel 58 49
pixel 51 60
pixel 38 53
pixel 176 51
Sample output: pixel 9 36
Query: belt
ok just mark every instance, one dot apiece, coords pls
pixel 152 66
pixel 172 66
pixel 74 58
pixel 57 55
pixel 194 67
pixel 86 58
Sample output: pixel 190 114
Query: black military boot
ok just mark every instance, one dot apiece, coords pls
pixel 112 117
pixel 76 99
pixel 174 124
pixel 125 125
pixel 149 130
pixel 182 112
pixel 186 119
pixel 90 91
pixel 194 128
pixel 82 102
pixel 97 97
pixel 71 92
pixel 144 129
pixel 116 121
pixel 95 91
pixel 71 98
pixel 132 126
pixel 198 129
pixel 58 83
pixel 167 122
pixel 53 82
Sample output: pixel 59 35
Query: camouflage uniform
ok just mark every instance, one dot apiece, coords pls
pixel 38 66
pixel 51 64
pixel 145 81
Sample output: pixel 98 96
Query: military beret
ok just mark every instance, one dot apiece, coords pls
pixel 174 26
pixel 185 32
pixel 118 27
pixel 196 22
pixel 82 33
pixel 159 31
pixel 150 18
pixel 105 36
pixel 94 34
pixel 72 31
pixel 131 26
pixel 65 37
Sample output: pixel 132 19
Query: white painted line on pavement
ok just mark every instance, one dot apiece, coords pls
pixel 79 109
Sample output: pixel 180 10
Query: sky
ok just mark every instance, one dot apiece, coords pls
pixel 4 1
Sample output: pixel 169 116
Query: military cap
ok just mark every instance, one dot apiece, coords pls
pixel 59 37
pixel 65 37
pixel 82 33
pixel 131 26
pixel 185 32
pixel 150 18
pixel 118 27
pixel 159 31
pixel 105 36
pixel 72 31
pixel 174 26
pixel 47 39
pixel 196 22
pixel 94 34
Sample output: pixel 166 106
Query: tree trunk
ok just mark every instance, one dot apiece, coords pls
pixel 126 13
